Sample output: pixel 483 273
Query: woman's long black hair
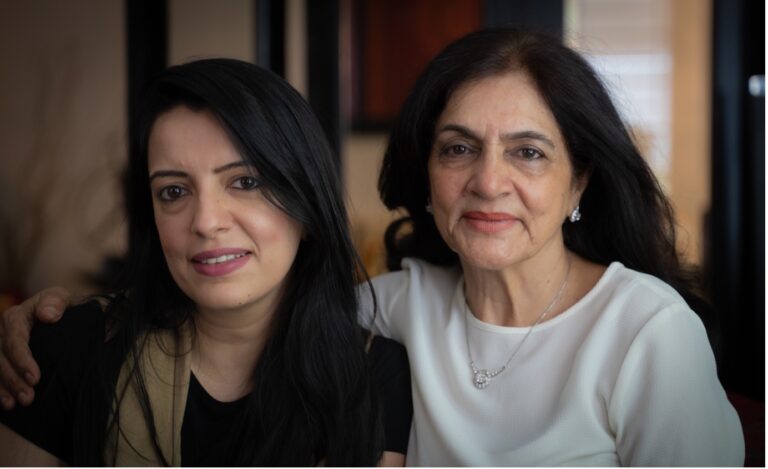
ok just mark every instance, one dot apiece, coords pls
pixel 626 216
pixel 312 398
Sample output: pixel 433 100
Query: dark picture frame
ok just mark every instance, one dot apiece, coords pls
pixel 391 43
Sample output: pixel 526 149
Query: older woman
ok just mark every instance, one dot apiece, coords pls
pixel 537 292
pixel 536 279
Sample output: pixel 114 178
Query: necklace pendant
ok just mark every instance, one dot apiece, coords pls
pixel 482 378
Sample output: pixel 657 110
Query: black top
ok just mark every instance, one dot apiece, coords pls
pixel 65 354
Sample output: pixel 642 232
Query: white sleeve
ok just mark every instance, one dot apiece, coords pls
pixel 365 306
pixel 388 289
pixel 668 407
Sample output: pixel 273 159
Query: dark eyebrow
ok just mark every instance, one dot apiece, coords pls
pixel 523 134
pixel 529 134
pixel 234 164
pixel 460 129
pixel 164 173
pixel 182 174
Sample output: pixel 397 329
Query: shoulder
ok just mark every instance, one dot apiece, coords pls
pixel 65 352
pixel 624 284
pixel 387 355
pixel 419 286
pixel 391 375
pixel 418 276
pixel 79 326
pixel 626 306
pixel 85 314
pixel 67 346
pixel 634 296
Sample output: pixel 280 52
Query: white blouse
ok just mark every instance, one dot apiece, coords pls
pixel 626 376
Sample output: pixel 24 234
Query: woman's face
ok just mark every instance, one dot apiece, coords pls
pixel 501 180
pixel 226 245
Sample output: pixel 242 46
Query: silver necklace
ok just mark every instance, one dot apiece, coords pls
pixel 481 378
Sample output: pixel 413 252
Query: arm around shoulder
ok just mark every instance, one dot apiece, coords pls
pixel 19 372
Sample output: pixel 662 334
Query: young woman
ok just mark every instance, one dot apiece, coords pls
pixel 235 340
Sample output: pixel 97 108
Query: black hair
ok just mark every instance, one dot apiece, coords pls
pixel 626 216
pixel 312 399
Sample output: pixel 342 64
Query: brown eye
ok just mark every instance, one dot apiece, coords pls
pixel 171 193
pixel 456 150
pixel 246 183
pixel 529 153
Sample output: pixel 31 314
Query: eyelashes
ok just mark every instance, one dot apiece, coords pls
pixel 530 153
pixel 523 152
pixel 456 151
pixel 173 192
pixel 247 183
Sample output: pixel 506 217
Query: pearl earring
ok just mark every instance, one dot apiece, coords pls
pixel 428 207
pixel 575 215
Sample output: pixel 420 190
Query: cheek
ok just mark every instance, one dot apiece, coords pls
pixel 171 234
pixel 445 190
pixel 275 233
pixel 550 201
pixel 290 233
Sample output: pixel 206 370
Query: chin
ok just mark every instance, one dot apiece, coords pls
pixel 219 304
pixel 491 261
pixel 219 298
pixel 489 257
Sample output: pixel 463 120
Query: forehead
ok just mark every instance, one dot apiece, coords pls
pixel 185 137
pixel 509 101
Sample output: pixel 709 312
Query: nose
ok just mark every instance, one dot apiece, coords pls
pixel 490 178
pixel 211 216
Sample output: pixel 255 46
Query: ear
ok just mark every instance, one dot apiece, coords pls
pixel 578 186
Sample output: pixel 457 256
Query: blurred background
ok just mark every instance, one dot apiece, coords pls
pixel 688 76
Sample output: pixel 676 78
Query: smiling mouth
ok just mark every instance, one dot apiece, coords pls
pixel 210 264
pixel 221 259
pixel 489 223
pixel 489 216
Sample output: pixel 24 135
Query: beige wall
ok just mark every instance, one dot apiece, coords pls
pixel 690 188
pixel 211 28
pixel 62 108
pixel 296 45
pixel 362 155
pixel 63 132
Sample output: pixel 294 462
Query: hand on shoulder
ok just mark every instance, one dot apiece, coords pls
pixel 18 370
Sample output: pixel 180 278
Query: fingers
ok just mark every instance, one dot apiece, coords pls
pixel 7 402
pixel 18 369
pixel 13 388
pixel 6 398
pixel 16 383
pixel 50 303
pixel 16 351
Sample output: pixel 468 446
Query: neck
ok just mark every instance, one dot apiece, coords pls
pixel 226 349
pixel 521 295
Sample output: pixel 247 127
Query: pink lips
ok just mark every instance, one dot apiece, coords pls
pixel 489 222
pixel 218 262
